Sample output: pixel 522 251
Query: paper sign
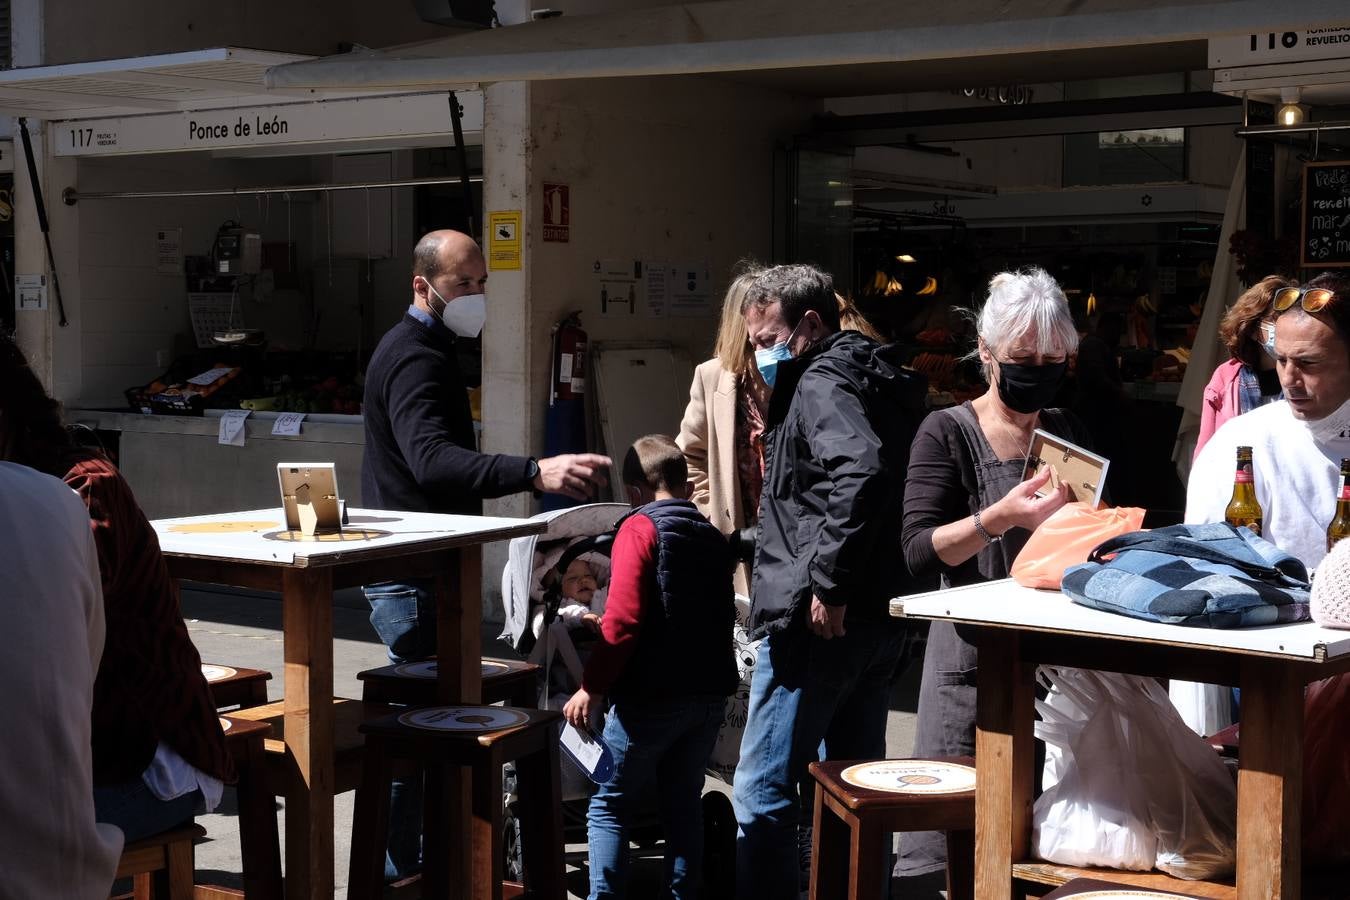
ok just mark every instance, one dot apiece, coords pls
pixel 589 753
pixel 620 286
pixel 557 215
pixel 211 376
pixel 658 289
pixel 232 427
pixel 689 290
pixel 169 251
pixel 504 239
pixel 288 424
pixel 30 292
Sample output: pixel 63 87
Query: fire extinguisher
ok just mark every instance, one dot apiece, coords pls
pixel 565 423
pixel 569 359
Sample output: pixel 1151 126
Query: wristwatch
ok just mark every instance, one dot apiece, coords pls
pixel 531 473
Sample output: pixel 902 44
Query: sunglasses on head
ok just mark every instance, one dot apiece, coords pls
pixel 1314 299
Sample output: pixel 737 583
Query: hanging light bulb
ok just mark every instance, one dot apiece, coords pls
pixel 1291 112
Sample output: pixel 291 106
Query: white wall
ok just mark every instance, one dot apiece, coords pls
pixel 674 169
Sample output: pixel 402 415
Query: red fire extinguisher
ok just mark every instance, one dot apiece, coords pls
pixel 569 359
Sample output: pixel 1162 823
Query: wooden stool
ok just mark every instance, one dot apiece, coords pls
pixel 234 687
pixel 160 866
pixel 482 739
pixel 259 846
pixel 853 821
pixel 509 681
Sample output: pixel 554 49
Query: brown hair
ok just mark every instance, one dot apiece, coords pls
pixel 852 319
pixel 31 432
pixel 657 462
pixel 1337 312
pixel 733 341
pixel 1240 322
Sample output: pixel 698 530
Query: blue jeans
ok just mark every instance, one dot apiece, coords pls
pixel 404 616
pixel 663 744
pixel 804 690
pixel 132 807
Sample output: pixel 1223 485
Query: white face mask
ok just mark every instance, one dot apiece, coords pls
pixel 465 314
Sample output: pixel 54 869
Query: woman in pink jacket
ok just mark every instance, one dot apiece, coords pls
pixel 1248 379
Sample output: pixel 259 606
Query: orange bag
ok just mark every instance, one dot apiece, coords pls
pixel 1066 538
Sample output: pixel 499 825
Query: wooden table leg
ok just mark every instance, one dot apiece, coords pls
pixel 459 620
pixel 307 628
pixel 829 853
pixel 1270 782
pixel 1003 762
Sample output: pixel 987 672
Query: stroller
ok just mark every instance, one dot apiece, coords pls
pixel 531 596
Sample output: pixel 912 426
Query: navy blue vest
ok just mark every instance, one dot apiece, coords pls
pixel 684 646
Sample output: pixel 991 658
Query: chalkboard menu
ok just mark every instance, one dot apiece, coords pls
pixel 1326 215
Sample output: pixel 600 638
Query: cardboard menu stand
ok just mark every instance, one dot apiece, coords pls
pixel 1083 471
pixel 310 499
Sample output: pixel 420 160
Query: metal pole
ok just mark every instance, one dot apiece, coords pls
pixel 42 217
pixel 464 179
pixel 72 196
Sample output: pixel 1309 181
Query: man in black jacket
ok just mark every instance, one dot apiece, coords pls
pixel 421 455
pixel 839 427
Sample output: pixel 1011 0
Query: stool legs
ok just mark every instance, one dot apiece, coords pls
pixel 370 825
pixel 259 846
pixel 829 857
pixel 960 865
pixel 541 828
pixel 485 824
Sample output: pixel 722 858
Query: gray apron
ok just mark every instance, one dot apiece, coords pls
pixel 946 722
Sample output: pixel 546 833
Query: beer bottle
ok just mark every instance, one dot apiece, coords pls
pixel 1243 508
pixel 1340 523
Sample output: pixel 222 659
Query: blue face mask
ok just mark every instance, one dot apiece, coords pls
pixel 767 361
pixel 1268 338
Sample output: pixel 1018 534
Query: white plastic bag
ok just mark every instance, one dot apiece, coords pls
pixel 1130 785
pixel 1205 708
pixel 727 751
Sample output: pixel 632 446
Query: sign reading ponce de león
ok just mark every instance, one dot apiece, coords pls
pixel 1326 215
pixel 412 115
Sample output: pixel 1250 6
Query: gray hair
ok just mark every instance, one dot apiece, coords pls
pixel 1022 302
pixel 799 289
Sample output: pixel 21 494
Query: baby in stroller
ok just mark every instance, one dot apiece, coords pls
pixel 583 602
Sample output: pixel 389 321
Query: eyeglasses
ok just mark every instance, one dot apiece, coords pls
pixel 1314 299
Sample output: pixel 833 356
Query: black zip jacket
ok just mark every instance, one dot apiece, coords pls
pixel 840 424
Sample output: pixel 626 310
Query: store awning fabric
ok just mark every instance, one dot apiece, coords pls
pixel 757 35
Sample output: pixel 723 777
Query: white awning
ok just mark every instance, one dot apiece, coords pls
pixel 827 46
pixel 171 82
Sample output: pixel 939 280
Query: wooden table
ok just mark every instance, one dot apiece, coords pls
pixel 252 550
pixel 1019 628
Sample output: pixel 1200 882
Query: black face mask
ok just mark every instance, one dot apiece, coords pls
pixel 1029 389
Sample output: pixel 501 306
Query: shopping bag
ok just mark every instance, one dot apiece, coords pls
pixel 727 751
pixel 1067 538
pixel 1130 786
pixel 1326 771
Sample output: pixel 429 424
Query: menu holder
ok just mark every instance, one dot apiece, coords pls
pixel 309 498
pixel 1081 470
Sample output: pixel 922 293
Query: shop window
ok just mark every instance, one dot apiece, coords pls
pixel 1137 156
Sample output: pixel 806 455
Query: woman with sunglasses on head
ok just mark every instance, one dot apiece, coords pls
pixel 1297 442
pixel 1248 379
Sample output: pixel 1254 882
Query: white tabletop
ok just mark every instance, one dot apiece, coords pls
pixel 1006 603
pixel 256 535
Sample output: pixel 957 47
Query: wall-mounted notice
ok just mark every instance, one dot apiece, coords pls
pixel 1326 215
pixel 620 286
pixel 557 213
pixel 658 289
pixel 169 251
pixel 30 292
pixel 503 239
pixel 689 293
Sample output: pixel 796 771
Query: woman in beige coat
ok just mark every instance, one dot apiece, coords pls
pixel 722 433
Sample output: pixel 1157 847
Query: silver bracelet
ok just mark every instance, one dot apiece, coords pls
pixel 979 527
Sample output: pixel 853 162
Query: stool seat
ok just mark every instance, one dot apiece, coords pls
pixel 161 865
pixel 855 814
pixel 462 749
pixel 510 681
pixel 232 686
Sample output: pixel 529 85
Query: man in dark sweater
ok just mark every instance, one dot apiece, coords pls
pixel 421 455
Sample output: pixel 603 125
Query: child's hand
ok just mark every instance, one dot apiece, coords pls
pixel 591 621
pixel 583 708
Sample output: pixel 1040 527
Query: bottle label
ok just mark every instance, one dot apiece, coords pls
pixel 1344 492
pixel 1244 474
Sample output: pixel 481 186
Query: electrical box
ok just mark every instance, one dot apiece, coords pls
pixel 238 252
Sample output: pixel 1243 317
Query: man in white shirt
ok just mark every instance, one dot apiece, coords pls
pixel 51 605
pixel 1298 442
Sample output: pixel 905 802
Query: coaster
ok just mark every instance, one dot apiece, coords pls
pixel 463 718
pixel 225 724
pixel 428 669
pixel 217 673
pixel 911 776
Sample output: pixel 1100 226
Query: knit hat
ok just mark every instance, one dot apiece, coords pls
pixel 1331 588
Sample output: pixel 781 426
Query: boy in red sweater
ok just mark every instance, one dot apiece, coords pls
pixel 667 664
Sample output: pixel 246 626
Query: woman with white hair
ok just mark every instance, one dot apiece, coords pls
pixel 968 509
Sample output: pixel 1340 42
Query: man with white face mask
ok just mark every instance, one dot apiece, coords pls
pixel 1298 442
pixel 421 456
